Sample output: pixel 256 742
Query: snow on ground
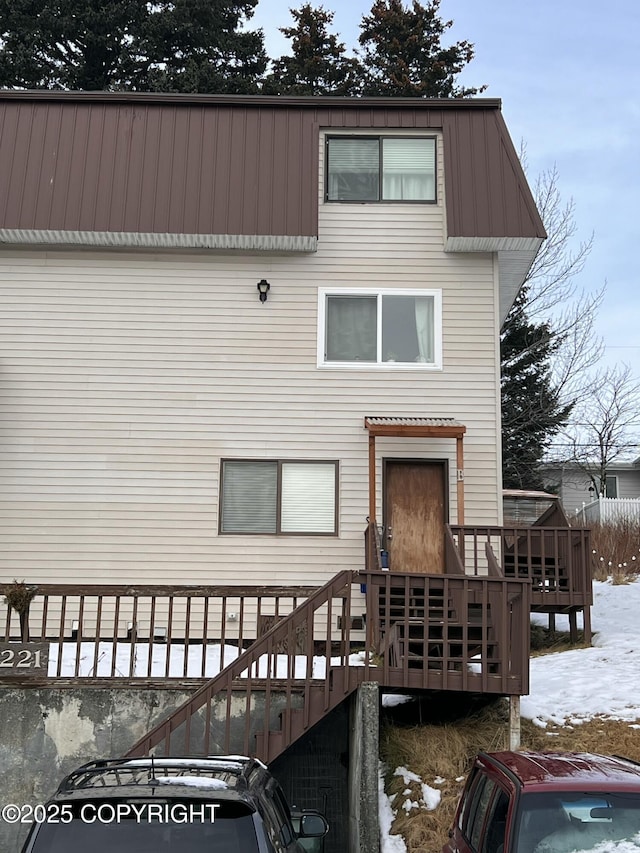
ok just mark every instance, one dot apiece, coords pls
pixel 132 660
pixel 574 686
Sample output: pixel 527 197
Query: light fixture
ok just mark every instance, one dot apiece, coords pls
pixel 263 288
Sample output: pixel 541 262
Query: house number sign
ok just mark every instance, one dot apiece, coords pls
pixel 23 659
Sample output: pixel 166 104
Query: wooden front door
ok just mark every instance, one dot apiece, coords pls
pixel 415 513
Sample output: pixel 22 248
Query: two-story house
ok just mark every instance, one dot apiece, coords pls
pixel 249 365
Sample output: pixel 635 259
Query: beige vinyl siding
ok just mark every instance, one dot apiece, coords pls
pixel 125 378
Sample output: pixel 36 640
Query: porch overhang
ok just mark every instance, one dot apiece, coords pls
pixel 402 427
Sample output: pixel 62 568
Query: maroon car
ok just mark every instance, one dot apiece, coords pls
pixel 546 802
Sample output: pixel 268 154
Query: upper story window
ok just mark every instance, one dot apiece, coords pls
pixel 392 328
pixel 381 168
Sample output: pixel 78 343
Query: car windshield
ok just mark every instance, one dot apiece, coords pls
pixel 184 826
pixel 564 821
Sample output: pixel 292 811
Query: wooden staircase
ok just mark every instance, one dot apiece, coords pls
pixel 422 633
pixel 233 712
pixel 319 701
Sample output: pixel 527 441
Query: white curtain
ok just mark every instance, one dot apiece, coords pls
pixel 408 169
pixel 424 328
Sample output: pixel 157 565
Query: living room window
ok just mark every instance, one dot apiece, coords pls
pixel 278 496
pixel 390 328
pixel 381 168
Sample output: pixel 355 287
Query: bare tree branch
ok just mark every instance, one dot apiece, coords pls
pixel 605 425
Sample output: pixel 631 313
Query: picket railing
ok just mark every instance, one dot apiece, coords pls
pixel 110 631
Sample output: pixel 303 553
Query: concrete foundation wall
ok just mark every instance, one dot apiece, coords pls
pixel 45 733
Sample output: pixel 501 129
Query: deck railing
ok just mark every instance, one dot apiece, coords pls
pixel 447 632
pixel 556 561
pixel 110 631
pixel 372 547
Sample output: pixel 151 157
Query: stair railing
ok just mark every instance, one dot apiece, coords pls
pixel 274 674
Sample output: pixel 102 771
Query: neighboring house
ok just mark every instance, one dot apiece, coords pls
pixel 577 489
pixel 161 423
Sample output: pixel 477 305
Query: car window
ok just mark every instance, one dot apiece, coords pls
pixel 468 801
pixel 486 789
pixel 493 840
pixel 566 820
pixel 233 829
pixel 276 815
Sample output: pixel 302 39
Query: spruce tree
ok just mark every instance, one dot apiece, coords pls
pixel 201 47
pixel 402 53
pixel 185 45
pixel 532 412
pixel 318 63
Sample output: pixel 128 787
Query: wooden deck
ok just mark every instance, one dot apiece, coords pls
pixel 465 630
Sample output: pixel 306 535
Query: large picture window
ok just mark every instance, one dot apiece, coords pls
pixel 278 496
pixel 384 327
pixel 366 168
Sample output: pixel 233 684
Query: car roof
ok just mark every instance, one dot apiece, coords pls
pixel 220 777
pixel 563 770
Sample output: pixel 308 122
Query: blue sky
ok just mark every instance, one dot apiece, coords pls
pixel 568 74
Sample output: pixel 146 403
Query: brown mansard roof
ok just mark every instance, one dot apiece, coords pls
pixel 215 171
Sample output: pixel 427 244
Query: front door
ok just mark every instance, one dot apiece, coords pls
pixel 415 513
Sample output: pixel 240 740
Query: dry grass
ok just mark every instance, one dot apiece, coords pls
pixel 437 752
pixel 446 752
pixel 615 551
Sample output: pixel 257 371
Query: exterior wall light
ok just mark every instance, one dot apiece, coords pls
pixel 263 288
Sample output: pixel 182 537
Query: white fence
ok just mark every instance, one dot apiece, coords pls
pixel 610 510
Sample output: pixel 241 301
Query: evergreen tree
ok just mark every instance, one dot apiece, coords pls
pixel 318 64
pixel 199 46
pixel 186 45
pixel 532 412
pixel 402 54
pixel 69 44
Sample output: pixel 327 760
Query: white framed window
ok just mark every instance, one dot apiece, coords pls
pixel 380 168
pixel 278 496
pixel 380 328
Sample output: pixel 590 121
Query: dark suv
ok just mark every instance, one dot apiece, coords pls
pixel 544 802
pixel 226 804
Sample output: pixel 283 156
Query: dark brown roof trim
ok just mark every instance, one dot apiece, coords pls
pixel 312 102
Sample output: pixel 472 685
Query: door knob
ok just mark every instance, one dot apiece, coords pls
pixel 389 533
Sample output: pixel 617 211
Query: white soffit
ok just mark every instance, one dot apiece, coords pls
pixel 152 240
